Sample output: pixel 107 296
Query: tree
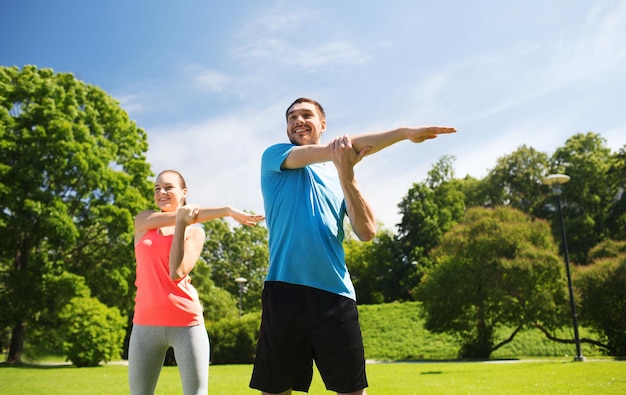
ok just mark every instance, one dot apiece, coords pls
pixel 45 335
pixel 616 222
pixel 73 174
pixel 602 295
pixel 428 211
pixel 476 191
pixel 377 270
pixel 217 302
pixel 588 197
pixel 233 252
pixel 515 181
pixel 496 269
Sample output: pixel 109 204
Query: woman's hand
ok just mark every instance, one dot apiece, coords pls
pixel 244 218
pixel 187 214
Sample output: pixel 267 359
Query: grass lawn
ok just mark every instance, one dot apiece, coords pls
pixel 541 376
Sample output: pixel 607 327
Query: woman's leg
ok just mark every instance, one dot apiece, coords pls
pixel 146 353
pixel 191 349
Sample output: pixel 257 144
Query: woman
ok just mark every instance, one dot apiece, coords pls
pixel 167 308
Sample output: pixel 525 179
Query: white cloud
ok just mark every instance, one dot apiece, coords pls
pixel 280 36
pixel 219 158
pixel 598 46
pixel 130 103
pixel 213 81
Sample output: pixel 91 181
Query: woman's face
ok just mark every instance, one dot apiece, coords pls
pixel 168 193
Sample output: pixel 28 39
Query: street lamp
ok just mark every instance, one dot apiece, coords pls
pixel 241 282
pixel 555 181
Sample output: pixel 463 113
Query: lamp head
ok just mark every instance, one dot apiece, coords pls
pixel 555 181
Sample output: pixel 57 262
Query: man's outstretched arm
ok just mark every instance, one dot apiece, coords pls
pixel 373 142
pixel 377 141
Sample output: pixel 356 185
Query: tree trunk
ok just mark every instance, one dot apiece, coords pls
pixel 17 343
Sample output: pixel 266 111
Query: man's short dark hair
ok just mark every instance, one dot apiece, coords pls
pixel 320 109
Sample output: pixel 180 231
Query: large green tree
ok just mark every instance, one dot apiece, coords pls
pixel 588 197
pixel 496 269
pixel 515 181
pixel 73 174
pixel 428 211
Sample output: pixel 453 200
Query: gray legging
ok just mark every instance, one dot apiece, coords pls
pixel 146 353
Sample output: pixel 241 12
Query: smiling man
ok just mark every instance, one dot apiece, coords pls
pixel 309 302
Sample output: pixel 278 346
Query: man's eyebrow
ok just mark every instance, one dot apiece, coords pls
pixel 305 110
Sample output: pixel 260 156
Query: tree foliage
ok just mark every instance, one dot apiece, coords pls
pixel 498 268
pixel 588 197
pixel 616 221
pixel 91 332
pixel 378 272
pixel 45 335
pixel 515 181
pixel 233 340
pixel 602 294
pixel 72 176
pixel 239 251
pixel 217 303
pixel 428 211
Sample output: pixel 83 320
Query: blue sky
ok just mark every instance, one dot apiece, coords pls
pixel 209 81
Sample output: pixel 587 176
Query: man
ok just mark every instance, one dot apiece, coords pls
pixel 309 302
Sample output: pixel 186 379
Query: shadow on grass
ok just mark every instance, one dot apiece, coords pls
pixel 502 360
pixel 41 366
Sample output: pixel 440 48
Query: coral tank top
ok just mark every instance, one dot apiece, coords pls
pixel 159 300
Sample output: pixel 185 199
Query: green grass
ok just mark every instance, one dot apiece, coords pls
pixel 545 376
pixel 531 364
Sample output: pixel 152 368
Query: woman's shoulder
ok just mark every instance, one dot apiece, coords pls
pixel 144 213
pixel 195 230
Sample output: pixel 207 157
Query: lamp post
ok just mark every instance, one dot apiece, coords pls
pixel 241 282
pixel 555 181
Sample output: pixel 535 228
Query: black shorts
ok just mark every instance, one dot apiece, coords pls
pixel 301 324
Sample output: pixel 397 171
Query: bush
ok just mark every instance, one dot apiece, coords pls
pixel 233 340
pixel 602 288
pixel 44 335
pixel 91 332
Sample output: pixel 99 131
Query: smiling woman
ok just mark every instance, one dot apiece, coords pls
pixel 167 249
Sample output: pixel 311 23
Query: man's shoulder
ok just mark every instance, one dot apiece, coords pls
pixel 278 147
pixel 276 154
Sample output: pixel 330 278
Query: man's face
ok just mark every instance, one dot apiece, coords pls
pixel 304 125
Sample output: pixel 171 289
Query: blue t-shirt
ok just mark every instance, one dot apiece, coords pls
pixel 304 211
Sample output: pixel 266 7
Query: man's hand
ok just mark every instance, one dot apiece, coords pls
pixel 343 154
pixel 418 135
